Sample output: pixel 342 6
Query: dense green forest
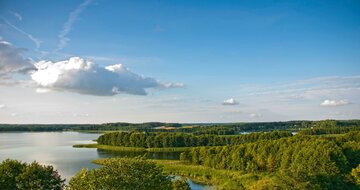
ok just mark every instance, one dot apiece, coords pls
pixel 164 140
pixel 301 162
pixel 328 130
pixel 279 159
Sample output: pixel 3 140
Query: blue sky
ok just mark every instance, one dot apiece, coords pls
pixel 272 60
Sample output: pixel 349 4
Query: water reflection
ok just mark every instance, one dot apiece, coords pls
pixel 51 148
pixel 149 155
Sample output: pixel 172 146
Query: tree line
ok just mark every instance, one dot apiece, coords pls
pixel 329 130
pixel 163 140
pixel 196 128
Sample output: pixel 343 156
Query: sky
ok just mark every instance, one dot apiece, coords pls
pixel 97 61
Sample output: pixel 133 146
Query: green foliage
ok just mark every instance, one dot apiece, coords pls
pixel 216 130
pixel 223 179
pixel 355 173
pixel 350 143
pixel 302 162
pixel 330 130
pixel 184 156
pixel 121 173
pixel 180 184
pixel 161 140
pixel 9 170
pixel 351 136
pixel 15 175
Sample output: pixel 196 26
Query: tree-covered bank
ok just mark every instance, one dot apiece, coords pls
pixel 165 140
pixel 301 162
pixel 294 162
pixel 132 149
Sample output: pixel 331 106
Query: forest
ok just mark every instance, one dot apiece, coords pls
pixel 165 140
pixel 302 162
pixel 322 155
pixel 305 155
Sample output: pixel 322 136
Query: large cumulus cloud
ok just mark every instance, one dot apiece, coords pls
pixel 12 61
pixel 85 77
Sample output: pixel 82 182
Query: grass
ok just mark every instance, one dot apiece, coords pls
pixel 331 135
pixel 221 179
pixel 131 149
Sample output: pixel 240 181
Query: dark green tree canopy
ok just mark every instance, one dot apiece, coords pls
pixel 122 174
pixel 15 175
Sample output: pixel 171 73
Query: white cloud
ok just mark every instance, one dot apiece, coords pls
pixel 36 41
pixel 254 115
pixel 12 61
pixel 230 101
pixel 85 77
pixel 63 40
pixel 16 15
pixel 42 90
pixel 2 106
pixel 328 103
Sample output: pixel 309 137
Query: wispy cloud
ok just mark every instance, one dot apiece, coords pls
pixel 16 15
pixel 332 87
pixel 36 41
pixel 100 58
pixel 63 39
pixel 294 99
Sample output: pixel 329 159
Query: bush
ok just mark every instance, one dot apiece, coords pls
pixel 122 174
pixel 15 175
pixel 180 184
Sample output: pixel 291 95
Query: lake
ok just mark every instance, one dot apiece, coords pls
pixel 55 148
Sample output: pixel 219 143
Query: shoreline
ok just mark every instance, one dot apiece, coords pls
pixel 132 149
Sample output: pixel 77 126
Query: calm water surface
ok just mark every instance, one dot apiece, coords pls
pixel 55 148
